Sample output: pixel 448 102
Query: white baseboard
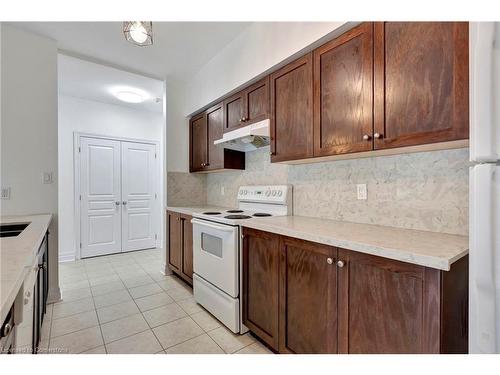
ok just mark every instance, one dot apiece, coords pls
pixel 54 295
pixel 165 270
pixel 68 257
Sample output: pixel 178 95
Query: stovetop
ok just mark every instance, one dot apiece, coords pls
pixel 232 216
pixel 253 202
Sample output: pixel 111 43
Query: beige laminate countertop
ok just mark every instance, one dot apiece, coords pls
pixel 18 256
pixel 429 249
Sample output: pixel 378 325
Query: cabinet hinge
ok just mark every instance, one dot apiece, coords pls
pixel 79 149
pixel 156 196
pixel 80 197
pixel 155 155
pixel 80 245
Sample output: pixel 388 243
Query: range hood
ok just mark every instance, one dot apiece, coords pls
pixel 248 138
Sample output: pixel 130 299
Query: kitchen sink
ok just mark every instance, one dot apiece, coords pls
pixel 12 230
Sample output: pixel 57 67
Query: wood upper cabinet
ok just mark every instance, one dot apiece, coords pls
pixel 343 93
pixel 215 159
pixel 308 298
pixel 187 248
pixel 174 241
pixel 257 101
pixel 260 284
pixel 234 111
pixel 198 143
pixel 292 111
pixel 247 106
pixel 205 156
pixel 421 83
pixel 180 245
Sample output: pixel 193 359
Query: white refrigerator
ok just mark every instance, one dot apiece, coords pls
pixel 484 192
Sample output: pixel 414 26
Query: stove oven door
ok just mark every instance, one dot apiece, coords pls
pixel 215 254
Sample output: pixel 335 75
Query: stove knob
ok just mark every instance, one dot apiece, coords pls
pixel 268 193
pixel 280 193
pixel 274 193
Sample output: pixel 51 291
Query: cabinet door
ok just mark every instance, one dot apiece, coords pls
pixel 198 142
pixel 174 241
pixel 260 284
pixel 308 298
pixel 292 111
pixel 215 128
pixel 421 83
pixel 234 111
pixel 257 101
pixel 343 95
pixel 387 306
pixel 187 248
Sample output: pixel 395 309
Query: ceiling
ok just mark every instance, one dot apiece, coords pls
pixel 87 80
pixel 179 48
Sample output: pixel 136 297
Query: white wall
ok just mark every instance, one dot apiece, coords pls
pixel 29 130
pixel 87 116
pixel 257 49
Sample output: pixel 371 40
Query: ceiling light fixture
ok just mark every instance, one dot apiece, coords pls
pixel 139 33
pixel 129 94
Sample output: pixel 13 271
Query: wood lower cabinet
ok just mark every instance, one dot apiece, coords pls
pixel 261 255
pixel 247 106
pixel 205 156
pixel 308 298
pixel 174 241
pixel 386 306
pixel 421 82
pixel 292 111
pixel 180 245
pixel 340 301
pixel 343 93
pixel 187 248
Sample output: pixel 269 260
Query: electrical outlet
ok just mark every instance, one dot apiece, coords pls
pixel 48 178
pixel 5 192
pixel 362 192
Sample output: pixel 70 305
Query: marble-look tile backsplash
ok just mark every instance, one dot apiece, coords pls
pixel 186 189
pixel 427 191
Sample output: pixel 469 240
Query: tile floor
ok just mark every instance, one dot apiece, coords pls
pixel 123 304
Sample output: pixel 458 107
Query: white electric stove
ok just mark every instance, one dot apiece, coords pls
pixel 217 249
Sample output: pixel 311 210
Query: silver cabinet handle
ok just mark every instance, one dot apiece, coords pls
pixel 340 264
pixel 377 135
pixel 366 137
pixel 124 203
pixel 117 203
pixel 6 329
pixel 329 260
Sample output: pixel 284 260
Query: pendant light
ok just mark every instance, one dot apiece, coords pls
pixel 139 33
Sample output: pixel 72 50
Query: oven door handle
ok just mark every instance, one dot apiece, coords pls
pixel 225 228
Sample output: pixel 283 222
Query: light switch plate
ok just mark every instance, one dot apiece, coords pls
pixel 361 191
pixel 222 190
pixel 5 192
pixel 48 178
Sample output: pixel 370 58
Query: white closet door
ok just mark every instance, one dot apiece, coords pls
pixel 138 195
pixel 100 197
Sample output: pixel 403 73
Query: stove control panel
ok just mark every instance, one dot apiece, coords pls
pixel 266 193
